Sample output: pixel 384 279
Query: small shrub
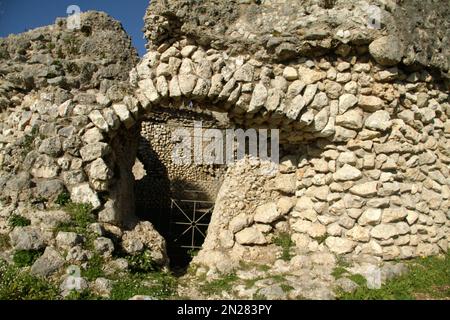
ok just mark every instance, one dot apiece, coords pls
pixel 285 242
pixel 81 215
pixel 19 285
pixel 18 221
pixel 63 199
pixel 141 263
pixel 25 258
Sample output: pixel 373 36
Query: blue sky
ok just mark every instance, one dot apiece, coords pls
pixel 17 16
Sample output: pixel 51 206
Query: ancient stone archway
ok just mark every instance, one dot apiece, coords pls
pixel 364 127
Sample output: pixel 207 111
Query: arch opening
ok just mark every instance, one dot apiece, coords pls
pixel 177 199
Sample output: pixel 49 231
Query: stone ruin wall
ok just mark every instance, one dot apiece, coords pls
pixel 369 114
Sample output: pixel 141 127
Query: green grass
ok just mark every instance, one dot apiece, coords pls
pixel 285 242
pixel 429 278
pixel 141 263
pixel 26 258
pixel 278 278
pixel 18 221
pixel 158 285
pixel 223 284
pixel 63 199
pixel 286 288
pixel 81 217
pixel 263 267
pixel 16 284
pixel 94 268
pixel 338 272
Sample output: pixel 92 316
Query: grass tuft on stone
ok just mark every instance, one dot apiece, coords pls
pixel 26 258
pixel 429 278
pixel 285 242
pixel 81 217
pixel 18 221
pixel 224 283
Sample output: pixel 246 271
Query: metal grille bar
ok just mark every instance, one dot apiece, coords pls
pixel 189 220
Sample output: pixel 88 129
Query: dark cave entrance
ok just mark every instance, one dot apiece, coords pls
pixel 177 199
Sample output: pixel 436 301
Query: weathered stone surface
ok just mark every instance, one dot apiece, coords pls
pixel 142 236
pixel 304 203
pixel 104 246
pixel 309 76
pixel 267 213
pixel 51 146
pixel 309 93
pixel 394 214
pixel 250 236
pixel 387 51
pixel 47 264
pixel 84 194
pixel 49 189
pixel 314 230
pixel 124 115
pixel 27 238
pixel 259 98
pixel 174 88
pixel 352 119
pixel 347 101
pixel 346 285
pixel 216 85
pixel 94 151
pixel 245 73
pixel 320 100
pixel 100 122
pixel 290 74
pixel 284 205
pixel 67 240
pixel 339 245
pixel 379 120
pixel 347 172
pixel 370 216
pixel 384 231
pixel 370 103
pixel 367 189
pixel 187 83
pixel 285 183
pixel 93 135
pixel 99 170
pixel 45 167
pixel 358 233
pixel 296 106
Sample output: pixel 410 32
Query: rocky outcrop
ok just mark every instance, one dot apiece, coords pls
pixel 284 30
